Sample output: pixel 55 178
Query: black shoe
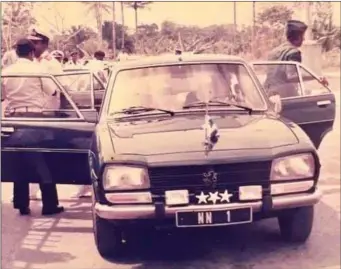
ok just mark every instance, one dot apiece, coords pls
pixel 52 211
pixel 24 211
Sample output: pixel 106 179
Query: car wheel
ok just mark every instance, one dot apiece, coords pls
pixel 108 238
pixel 296 224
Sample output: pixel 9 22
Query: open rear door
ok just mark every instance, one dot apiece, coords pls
pixel 62 135
pixel 305 101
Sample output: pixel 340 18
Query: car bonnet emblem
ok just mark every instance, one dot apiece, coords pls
pixel 210 178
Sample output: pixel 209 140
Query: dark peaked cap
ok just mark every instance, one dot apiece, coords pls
pixel 297 26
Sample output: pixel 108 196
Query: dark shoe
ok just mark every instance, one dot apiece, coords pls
pixel 52 211
pixel 24 211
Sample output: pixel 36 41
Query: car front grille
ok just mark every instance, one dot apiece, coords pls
pixel 230 176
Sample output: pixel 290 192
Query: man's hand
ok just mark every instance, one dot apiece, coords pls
pixel 324 81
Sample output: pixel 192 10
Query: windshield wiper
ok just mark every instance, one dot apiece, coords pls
pixel 217 103
pixel 141 109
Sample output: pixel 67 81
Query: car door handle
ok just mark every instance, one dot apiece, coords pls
pixel 6 131
pixel 323 103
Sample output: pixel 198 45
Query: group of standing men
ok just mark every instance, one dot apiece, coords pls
pixel 28 97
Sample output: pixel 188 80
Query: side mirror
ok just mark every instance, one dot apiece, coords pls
pixel 276 103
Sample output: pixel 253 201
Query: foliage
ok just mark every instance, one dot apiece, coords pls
pixel 69 40
pixel 16 19
pixel 107 36
pixel 136 5
pixel 275 16
pixel 150 39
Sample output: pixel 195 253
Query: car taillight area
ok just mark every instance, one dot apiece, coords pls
pixel 212 184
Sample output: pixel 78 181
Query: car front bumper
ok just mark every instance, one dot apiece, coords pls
pixel 134 212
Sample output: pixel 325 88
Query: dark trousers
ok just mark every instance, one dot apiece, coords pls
pixel 48 189
pixel 33 162
pixel 21 195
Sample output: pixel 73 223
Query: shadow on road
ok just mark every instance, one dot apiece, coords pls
pixel 36 242
pixel 240 247
pixel 28 241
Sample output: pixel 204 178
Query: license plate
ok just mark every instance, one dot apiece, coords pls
pixel 213 217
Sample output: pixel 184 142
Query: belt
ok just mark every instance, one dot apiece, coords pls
pixel 24 110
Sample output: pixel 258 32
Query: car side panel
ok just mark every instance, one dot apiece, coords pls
pixel 310 113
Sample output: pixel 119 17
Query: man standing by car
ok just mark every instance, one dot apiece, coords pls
pixel 283 79
pixel 41 43
pixel 27 97
pixel 50 65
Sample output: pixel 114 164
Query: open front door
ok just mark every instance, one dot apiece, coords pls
pixel 62 136
pixel 305 100
pixel 86 88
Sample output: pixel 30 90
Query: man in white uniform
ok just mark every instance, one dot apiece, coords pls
pixel 28 97
pixel 49 65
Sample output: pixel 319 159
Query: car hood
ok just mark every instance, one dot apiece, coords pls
pixel 185 134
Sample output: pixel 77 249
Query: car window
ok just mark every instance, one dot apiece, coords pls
pixel 311 84
pixel 280 78
pixel 27 96
pixel 174 86
pixel 79 87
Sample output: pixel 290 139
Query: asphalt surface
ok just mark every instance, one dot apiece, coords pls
pixel 66 241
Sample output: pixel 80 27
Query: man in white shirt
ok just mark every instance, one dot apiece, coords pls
pixel 41 41
pixel 75 62
pixel 97 66
pixel 28 97
pixel 49 64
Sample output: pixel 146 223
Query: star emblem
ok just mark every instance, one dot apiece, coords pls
pixel 214 197
pixel 202 198
pixel 225 196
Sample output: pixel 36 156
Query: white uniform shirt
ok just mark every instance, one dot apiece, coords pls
pixel 49 63
pixel 33 92
pixel 72 65
pixel 98 67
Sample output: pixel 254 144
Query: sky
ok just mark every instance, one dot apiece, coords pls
pixel 51 14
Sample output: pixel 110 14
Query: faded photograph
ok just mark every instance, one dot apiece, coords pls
pixel 158 135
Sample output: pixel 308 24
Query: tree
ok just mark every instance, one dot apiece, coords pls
pixel 16 20
pixel 108 36
pixel 123 24
pixel 72 37
pixel 97 9
pixel 136 5
pixel 275 15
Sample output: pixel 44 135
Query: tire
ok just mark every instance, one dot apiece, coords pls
pixel 108 238
pixel 296 224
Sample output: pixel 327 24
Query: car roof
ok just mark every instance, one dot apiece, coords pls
pixel 169 59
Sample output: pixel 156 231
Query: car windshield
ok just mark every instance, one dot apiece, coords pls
pixel 177 87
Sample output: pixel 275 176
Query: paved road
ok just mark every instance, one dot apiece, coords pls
pixel 67 241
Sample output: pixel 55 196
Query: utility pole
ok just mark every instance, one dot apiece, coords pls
pixel 308 20
pixel 114 29
pixel 122 14
pixel 235 14
pixel 253 26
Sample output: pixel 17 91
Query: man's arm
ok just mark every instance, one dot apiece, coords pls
pixel 295 56
pixel 3 90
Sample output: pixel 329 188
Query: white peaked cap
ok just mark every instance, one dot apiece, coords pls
pixel 35 33
pixel 57 53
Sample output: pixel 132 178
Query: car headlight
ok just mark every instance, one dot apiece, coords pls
pixel 119 177
pixel 298 166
